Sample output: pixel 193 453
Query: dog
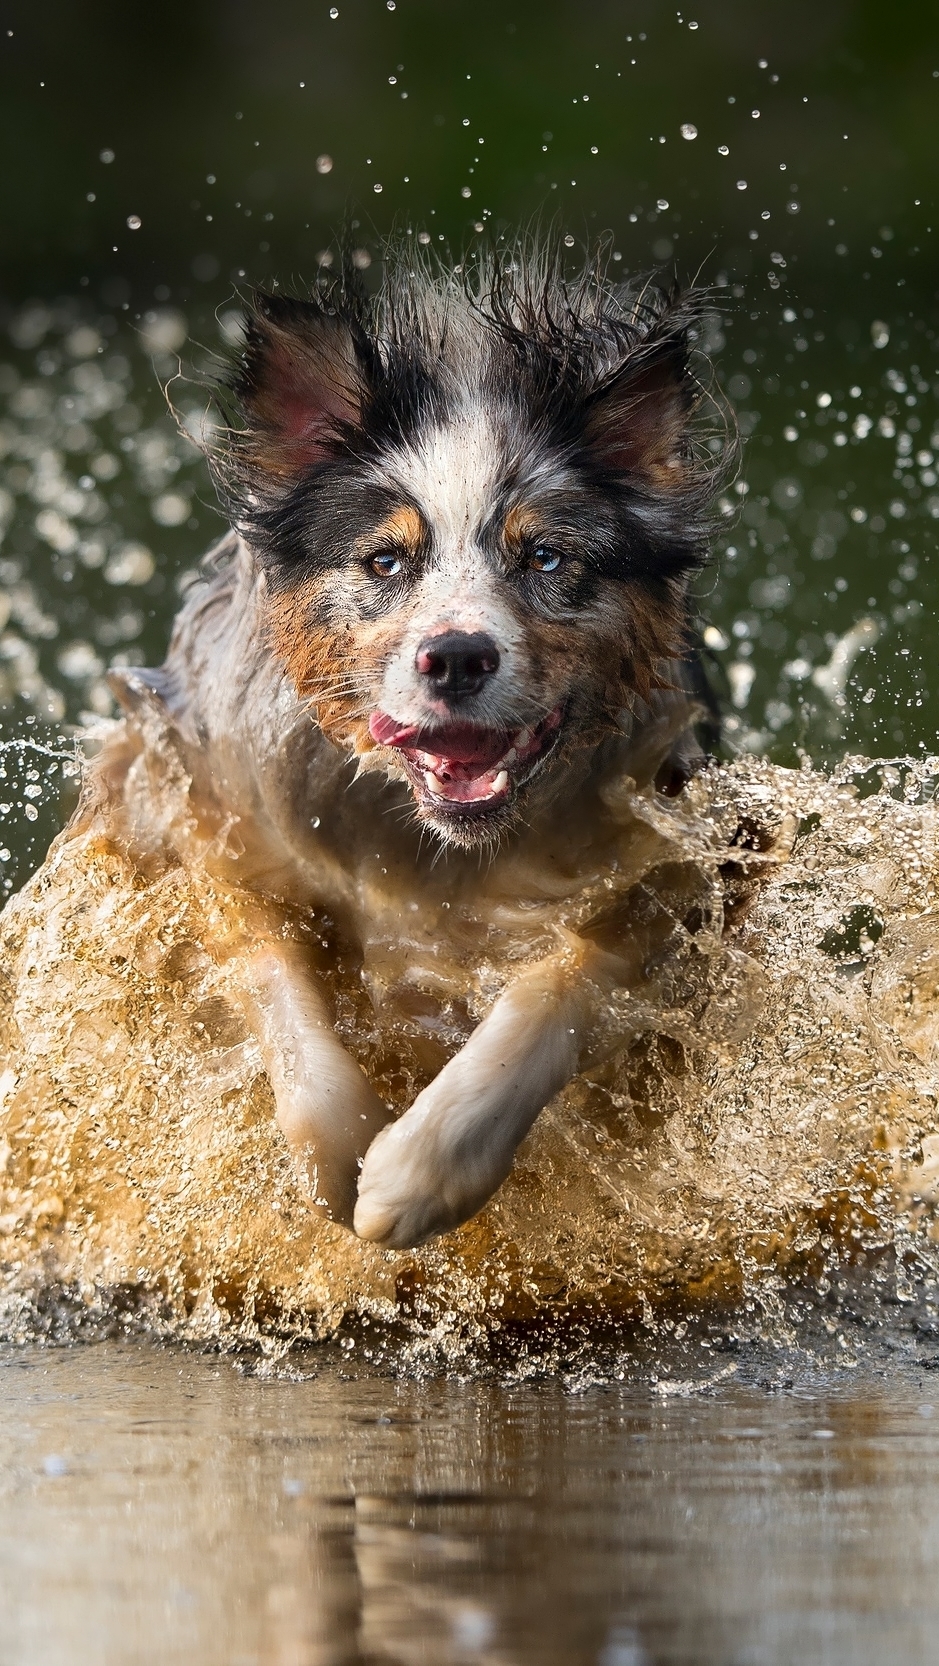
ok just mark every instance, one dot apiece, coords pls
pixel 453 607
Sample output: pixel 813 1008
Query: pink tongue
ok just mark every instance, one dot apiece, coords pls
pixel 460 744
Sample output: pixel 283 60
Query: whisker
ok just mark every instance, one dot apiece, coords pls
pixel 334 691
pixel 335 679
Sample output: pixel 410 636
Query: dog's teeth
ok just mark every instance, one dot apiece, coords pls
pixel 431 782
pixel 501 781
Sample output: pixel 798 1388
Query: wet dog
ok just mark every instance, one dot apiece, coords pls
pixel 454 606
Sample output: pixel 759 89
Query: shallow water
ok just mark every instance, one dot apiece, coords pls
pixel 161 1506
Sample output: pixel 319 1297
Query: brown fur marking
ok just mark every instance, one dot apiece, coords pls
pixel 331 666
pixel 521 526
pixel 403 529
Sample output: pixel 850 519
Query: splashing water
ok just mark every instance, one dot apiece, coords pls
pixel 765 1107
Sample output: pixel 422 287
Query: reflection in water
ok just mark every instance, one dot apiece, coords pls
pixel 159 1507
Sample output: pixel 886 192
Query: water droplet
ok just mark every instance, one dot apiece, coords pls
pixel 130 564
pixel 106 156
pixel 334 12
pixel 169 509
pixel 163 330
pixel 324 164
pixel 662 204
pixel 315 822
pixel 568 241
pixel 377 189
pixel 723 150
pixel 880 333
pixel 134 222
pixel 688 130
pixel 466 192
pixel 741 185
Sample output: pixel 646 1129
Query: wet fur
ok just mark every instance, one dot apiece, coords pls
pixel 455 427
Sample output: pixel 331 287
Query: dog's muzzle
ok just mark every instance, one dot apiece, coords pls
pixel 463 768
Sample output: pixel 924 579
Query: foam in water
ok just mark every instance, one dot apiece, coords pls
pixel 762 1106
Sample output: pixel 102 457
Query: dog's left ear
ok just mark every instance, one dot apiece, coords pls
pixel 637 420
pixel 298 386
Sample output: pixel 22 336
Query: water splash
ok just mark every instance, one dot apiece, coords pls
pixel 765 1106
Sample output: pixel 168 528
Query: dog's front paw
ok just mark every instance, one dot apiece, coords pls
pixel 403 1199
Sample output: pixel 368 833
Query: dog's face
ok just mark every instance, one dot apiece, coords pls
pixel 474 556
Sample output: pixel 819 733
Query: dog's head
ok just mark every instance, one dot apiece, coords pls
pixel 476 501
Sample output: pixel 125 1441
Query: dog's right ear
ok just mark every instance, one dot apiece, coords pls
pixel 298 386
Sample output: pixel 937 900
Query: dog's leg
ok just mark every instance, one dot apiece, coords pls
pixel 444 1158
pixel 326 1109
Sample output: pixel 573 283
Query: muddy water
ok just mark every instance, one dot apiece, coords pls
pixel 761 1108
pixel 162 1507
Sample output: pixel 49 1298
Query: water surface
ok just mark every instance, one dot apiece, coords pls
pixel 163 1506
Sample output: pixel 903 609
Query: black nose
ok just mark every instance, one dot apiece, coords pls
pixel 457 663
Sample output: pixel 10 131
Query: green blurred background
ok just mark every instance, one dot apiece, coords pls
pixel 158 160
pixel 579 108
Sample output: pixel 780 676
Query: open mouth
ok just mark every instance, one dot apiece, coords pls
pixel 465 769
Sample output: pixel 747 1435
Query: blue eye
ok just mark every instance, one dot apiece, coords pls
pixel 386 565
pixel 544 560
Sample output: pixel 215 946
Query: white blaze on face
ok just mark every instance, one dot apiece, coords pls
pixel 453 473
